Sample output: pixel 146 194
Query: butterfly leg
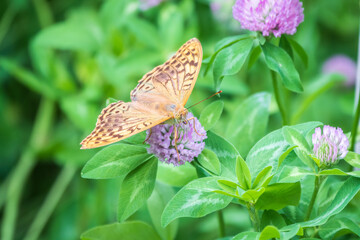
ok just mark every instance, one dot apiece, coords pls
pixel 175 139
pixel 193 118
pixel 148 137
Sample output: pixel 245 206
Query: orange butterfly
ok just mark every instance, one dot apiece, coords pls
pixel 159 97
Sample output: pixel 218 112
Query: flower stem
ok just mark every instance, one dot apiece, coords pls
pixel 221 224
pixel 318 181
pixel 355 125
pixel 25 165
pixel 278 99
pixel 53 197
pixel 253 216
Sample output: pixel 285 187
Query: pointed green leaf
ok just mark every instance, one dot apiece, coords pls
pixel 137 188
pixel 210 161
pixel 300 51
pixel 247 236
pixel 291 174
pixel 230 60
pixel 285 154
pixel 335 225
pixel 196 199
pixel 262 178
pixel 279 61
pixel 211 114
pixel 226 153
pixel 114 161
pixel 243 173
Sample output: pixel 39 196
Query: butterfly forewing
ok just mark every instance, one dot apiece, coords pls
pixel 118 121
pixel 167 84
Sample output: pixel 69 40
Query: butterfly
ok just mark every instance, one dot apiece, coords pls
pixel 159 97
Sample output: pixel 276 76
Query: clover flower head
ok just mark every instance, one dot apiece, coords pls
pixel 189 143
pixel 330 146
pixel 343 65
pixel 269 16
pixel 146 4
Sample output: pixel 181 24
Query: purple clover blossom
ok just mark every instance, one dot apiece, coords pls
pixel 190 144
pixel 330 146
pixel 343 65
pixel 269 16
pixel 146 4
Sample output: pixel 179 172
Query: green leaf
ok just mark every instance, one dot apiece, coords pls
pixel 269 232
pixel 145 32
pixel 285 44
pixel 254 56
pixel 353 159
pixel 285 154
pixel 291 174
pixel 211 114
pixel 279 61
pixel 338 172
pixel 228 186
pixel 279 195
pixel 176 176
pixel 252 195
pixel 335 225
pixel 230 60
pixel 300 51
pixel 294 137
pixel 249 122
pixel 271 217
pixel 243 173
pixel 228 41
pixel 135 230
pixel 156 203
pixel 226 153
pixel 137 188
pixel 267 151
pixel 114 161
pixel 288 232
pixel 247 236
pixel 196 199
pixel 263 178
pixel 210 161
pixel 347 191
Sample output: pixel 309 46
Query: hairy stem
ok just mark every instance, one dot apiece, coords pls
pixel 25 165
pixel 52 199
pixel 254 217
pixel 278 98
pixel 221 224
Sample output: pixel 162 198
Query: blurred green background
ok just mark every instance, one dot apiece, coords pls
pixel 61 60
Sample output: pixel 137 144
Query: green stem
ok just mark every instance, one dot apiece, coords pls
pixel 278 98
pixel 355 125
pixel 221 224
pixel 318 181
pixel 25 165
pixel 43 12
pixel 253 216
pixel 52 199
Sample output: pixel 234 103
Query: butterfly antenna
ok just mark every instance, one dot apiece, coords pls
pixel 205 99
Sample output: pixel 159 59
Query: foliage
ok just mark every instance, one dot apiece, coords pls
pixel 61 62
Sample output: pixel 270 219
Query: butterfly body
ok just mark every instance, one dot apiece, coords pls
pixel 159 97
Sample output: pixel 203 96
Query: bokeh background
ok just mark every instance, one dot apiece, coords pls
pixel 61 60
